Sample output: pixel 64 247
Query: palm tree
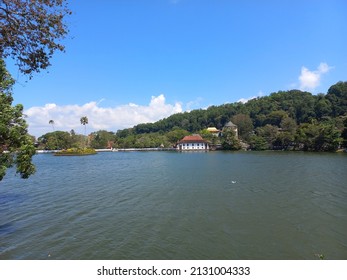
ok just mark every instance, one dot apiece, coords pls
pixel 84 121
pixel 51 122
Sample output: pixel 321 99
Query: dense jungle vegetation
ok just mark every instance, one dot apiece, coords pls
pixel 286 120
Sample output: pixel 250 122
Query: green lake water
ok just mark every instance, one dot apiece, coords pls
pixel 171 205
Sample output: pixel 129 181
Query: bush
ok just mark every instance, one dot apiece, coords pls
pixel 76 152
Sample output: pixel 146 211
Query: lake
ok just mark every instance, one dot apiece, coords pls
pixel 172 205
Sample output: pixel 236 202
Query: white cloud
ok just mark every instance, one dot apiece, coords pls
pixel 194 104
pixel 245 100
pixel 310 80
pixel 67 117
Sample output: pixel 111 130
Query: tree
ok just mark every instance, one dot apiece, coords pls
pixel 344 133
pixel 229 140
pixel 329 138
pixel 176 134
pixel 322 107
pixel 318 137
pixel 84 122
pixel 337 95
pixel 56 140
pixel 16 146
pixel 276 117
pixel 288 125
pixel 102 139
pixel 51 122
pixel 258 143
pixel 284 141
pixel 244 124
pixel 269 133
pixel 30 32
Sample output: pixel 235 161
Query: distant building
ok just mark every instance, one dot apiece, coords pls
pixel 214 131
pixel 233 127
pixel 192 143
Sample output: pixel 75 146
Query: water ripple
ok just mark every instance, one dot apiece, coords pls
pixel 160 205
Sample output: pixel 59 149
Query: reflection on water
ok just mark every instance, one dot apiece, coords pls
pixel 168 205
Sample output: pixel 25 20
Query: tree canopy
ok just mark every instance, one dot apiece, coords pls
pixel 30 32
pixel 16 146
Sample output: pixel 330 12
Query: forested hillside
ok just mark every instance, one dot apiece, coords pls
pixel 289 120
pixel 285 119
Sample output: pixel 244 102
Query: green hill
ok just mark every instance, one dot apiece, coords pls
pixel 291 119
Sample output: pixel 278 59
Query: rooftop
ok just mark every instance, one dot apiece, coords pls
pixel 213 129
pixel 195 138
pixel 230 124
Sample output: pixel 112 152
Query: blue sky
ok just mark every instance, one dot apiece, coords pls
pixel 128 61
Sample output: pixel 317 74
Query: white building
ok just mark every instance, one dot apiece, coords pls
pixel 192 143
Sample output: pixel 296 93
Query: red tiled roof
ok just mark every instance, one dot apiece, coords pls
pixel 192 139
